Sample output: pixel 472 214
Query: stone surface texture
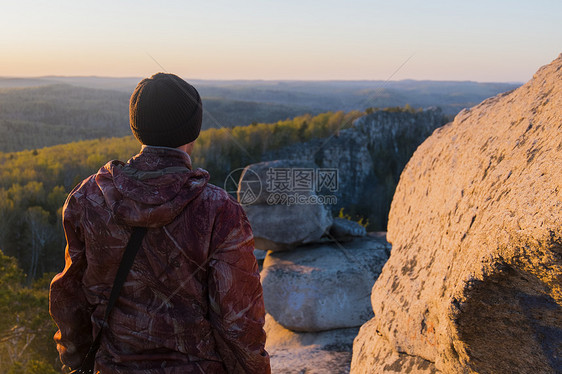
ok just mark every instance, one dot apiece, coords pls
pixel 308 352
pixel 344 229
pixel 474 281
pixel 323 286
pixel 376 355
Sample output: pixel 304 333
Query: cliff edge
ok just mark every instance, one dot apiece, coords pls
pixel 474 280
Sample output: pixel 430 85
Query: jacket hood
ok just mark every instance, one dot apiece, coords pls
pixel 152 188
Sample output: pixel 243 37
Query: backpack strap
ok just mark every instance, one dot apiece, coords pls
pixel 126 262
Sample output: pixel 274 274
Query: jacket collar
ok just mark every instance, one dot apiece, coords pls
pixel 161 157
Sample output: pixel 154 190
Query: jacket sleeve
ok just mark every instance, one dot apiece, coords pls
pixel 68 305
pixel 237 310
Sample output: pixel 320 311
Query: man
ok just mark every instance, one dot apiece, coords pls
pixel 192 301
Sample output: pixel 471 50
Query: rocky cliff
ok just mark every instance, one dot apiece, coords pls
pixel 474 281
pixel 369 157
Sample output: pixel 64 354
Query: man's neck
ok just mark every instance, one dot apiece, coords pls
pixel 179 149
pixel 185 148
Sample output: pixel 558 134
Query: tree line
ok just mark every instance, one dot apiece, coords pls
pixel 34 184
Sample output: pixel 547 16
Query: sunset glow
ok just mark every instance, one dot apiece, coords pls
pixel 439 40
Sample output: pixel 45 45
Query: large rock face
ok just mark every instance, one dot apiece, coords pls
pixel 474 282
pixel 323 286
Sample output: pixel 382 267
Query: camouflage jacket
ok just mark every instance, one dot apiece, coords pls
pixel 192 301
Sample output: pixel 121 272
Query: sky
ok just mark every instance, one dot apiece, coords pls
pixel 491 40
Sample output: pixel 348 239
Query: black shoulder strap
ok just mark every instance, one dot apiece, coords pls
pixel 126 263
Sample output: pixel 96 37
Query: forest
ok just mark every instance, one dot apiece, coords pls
pixel 61 113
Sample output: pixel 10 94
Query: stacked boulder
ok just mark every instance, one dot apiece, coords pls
pixel 269 196
pixel 318 271
pixel 474 282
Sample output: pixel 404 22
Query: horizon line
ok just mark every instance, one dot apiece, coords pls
pixel 259 79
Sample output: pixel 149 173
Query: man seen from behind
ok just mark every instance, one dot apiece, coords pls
pixel 192 301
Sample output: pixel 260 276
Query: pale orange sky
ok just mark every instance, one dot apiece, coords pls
pixel 440 40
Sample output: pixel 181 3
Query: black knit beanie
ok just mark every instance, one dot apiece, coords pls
pixel 165 111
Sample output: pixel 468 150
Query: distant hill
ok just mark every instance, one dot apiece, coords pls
pixel 46 115
pixel 316 96
pixel 45 111
pixel 54 114
pixel 450 96
pixel 222 112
